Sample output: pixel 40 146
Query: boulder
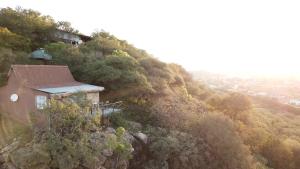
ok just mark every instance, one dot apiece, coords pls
pixel 143 137
pixel 110 130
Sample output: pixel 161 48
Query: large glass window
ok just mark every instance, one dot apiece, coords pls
pixel 41 102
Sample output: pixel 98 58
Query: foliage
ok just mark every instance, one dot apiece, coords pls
pixel 8 57
pixel 14 41
pixel 274 135
pixel 116 72
pixel 278 155
pixel 234 105
pixel 28 23
pixel 236 102
pixel 119 52
pixel 107 43
pixel 175 111
pixel 66 26
pixel 213 143
pixel 118 143
pixel 70 139
pixel 226 145
pixel 118 120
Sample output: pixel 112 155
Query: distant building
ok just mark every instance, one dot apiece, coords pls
pixel 261 94
pixel 30 86
pixel 70 37
pixel 295 102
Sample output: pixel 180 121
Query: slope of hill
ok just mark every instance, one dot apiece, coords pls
pixel 187 124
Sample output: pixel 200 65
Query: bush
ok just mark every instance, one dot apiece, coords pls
pixel 71 139
pixel 227 148
pixel 29 24
pixel 13 41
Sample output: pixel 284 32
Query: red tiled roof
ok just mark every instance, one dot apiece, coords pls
pixel 40 76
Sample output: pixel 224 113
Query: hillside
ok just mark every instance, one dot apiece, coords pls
pixel 188 125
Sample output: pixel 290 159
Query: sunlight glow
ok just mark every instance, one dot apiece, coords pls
pixel 241 37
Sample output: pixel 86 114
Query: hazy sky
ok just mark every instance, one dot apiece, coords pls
pixel 253 36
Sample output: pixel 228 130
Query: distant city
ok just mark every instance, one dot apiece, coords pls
pixel 284 90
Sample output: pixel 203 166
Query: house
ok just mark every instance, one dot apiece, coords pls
pixel 295 102
pixel 70 37
pixel 30 86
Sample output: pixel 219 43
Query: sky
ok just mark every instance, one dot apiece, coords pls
pixel 233 36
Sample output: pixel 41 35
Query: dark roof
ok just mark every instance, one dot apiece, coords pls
pixel 43 76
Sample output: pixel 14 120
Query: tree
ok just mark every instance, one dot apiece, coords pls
pixel 29 24
pixel 66 26
pixel 105 42
pixel 67 54
pixel 225 144
pixel 13 41
pixel 117 72
pixel 278 154
pixel 234 105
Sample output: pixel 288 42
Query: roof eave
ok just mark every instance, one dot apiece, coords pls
pixel 71 92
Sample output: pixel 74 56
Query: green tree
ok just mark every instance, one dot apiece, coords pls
pixel 66 26
pixel 29 24
pixel 13 41
pixel 116 72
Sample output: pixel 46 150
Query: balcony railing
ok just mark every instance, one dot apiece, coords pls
pixel 107 108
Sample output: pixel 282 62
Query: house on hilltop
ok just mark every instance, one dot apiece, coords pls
pixel 71 37
pixel 30 86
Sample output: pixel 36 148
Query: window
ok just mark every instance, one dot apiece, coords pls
pixel 41 102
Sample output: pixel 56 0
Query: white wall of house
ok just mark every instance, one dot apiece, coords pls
pixel 93 97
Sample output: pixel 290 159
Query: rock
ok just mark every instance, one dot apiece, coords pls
pixel 110 130
pixel 107 152
pixel 143 137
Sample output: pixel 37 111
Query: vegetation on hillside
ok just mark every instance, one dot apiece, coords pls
pixel 69 138
pixel 188 125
